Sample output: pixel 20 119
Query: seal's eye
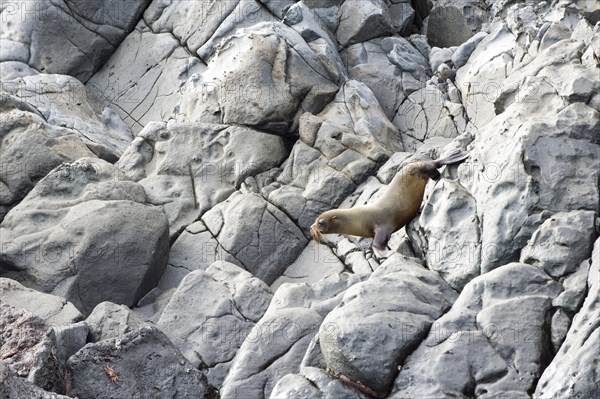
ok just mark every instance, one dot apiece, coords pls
pixel 322 223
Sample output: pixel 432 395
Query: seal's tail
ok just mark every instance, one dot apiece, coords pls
pixel 453 157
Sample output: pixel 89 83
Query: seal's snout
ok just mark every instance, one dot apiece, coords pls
pixel 315 233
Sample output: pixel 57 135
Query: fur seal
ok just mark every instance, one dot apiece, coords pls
pixel 398 205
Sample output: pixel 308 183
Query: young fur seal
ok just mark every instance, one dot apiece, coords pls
pixel 398 205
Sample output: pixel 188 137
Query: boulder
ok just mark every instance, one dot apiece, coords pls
pixel 84 233
pixel 362 20
pixel 573 372
pixel 277 344
pixel 254 234
pixel 494 341
pixel 562 242
pixel 146 364
pixel 379 321
pixel 187 168
pixel 211 313
pixel 28 345
pixel 263 77
pixel 52 309
pixel 451 23
pixel 69 37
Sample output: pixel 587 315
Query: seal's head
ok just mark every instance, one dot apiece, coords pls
pixel 325 223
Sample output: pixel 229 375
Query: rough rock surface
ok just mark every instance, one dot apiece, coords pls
pixel 28 345
pixel 146 364
pixel 70 37
pixel 162 162
pixel 379 321
pixel 52 309
pixel 13 386
pixel 209 330
pixel 576 375
pixel 84 233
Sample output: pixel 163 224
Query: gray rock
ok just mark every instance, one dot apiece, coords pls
pixel 278 342
pixel 451 23
pixel 464 51
pixel 63 102
pixel 281 76
pixel 338 149
pixel 448 233
pixel 111 321
pixel 45 146
pixel 428 113
pixel 211 313
pixel 153 69
pixel 560 244
pixel 573 372
pixel 146 364
pixel 246 14
pixel 254 234
pixel 13 386
pixel 194 249
pixel 68 37
pixel 86 214
pixel 492 342
pixel 314 263
pixel 52 309
pixel 362 20
pixel 187 168
pixel 313 383
pixel 381 64
pixel 192 23
pixel 402 16
pixel 278 7
pixel 28 345
pixel 481 77
pixel 539 169
pixel 380 320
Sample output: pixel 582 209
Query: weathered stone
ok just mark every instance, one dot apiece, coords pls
pixel 362 20
pixel 492 342
pixel 52 309
pixel 28 345
pixel 380 320
pixel 255 235
pixel 111 321
pixel 144 364
pixel 153 69
pixel 85 214
pixel 451 23
pixel 278 342
pixel 187 168
pixel 69 37
pixel 210 315
pixel 560 244
pixel 314 263
pixel 281 77
pixel 574 370
pixel 464 51
pixel 448 233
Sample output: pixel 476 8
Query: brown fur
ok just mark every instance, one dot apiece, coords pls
pixel 398 205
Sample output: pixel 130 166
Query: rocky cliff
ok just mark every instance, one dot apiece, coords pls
pixel 161 162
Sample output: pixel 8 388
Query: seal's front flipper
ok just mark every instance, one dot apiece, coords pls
pixel 381 238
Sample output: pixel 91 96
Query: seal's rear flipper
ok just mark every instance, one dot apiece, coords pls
pixel 453 157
